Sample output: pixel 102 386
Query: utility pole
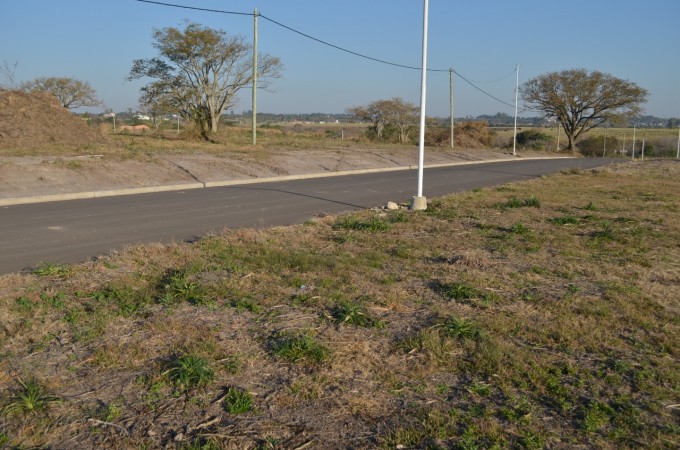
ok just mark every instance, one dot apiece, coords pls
pixel 255 14
pixel 558 135
pixel 451 101
pixel 677 156
pixel 514 138
pixel 419 203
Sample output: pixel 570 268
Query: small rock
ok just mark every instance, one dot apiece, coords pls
pixel 392 206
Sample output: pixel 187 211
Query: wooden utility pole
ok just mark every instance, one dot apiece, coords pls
pixel 255 14
pixel 451 101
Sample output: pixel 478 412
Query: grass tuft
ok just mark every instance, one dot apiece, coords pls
pixel 462 329
pixel 47 269
pixel 514 202
pixel 237 401
pixel 299 348
pixel 29 398
pixel 189 372
pixel 353 313
pixel 456 291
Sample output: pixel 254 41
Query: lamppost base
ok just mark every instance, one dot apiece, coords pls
pixel 418 204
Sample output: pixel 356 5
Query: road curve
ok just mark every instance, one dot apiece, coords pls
pixel 77 230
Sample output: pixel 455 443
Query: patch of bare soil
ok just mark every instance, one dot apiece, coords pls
pixel 30 120
pixel 24 176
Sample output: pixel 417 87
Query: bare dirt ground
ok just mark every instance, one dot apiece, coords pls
pixel 22 176
pixel 45 149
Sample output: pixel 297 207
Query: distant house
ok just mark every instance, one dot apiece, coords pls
pixel 141 117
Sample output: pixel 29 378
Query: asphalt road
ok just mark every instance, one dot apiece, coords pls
pixel 77 230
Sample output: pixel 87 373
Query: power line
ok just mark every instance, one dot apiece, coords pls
pixel 381 60
pixel 195 8
pixel 496 80
pixel 482 90
pixel 337 47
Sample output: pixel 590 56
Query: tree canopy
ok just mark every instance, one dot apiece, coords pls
pixel 394 112
pixel 199 71
pixel 581 100
pixel 70 92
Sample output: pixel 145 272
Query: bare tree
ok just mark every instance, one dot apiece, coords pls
pixel 157 108
pixel 70 92
pixel 580 100
pixel 403 115
pixel 8 75
pixel 393 112
pixel 199 71
pixel 374 113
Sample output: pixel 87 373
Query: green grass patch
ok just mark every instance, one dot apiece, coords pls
pixel 297 348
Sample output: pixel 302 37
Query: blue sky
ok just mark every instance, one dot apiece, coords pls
pixel 97 40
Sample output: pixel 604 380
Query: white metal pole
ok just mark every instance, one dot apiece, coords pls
pixel 255 14
pixel 514 139
pixel 419 202
pixel 451 101
pixel 633 152
pixel 624 143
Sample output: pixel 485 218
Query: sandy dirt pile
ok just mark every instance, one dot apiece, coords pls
pixel 31 120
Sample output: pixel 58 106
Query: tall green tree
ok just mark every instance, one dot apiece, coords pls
pixel 70 92
pixel 581 100
pixel 198 71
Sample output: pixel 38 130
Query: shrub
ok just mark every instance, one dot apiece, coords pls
pixel 594 145
pixel 533 139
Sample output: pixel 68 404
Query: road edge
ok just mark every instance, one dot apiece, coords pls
pixel 209 184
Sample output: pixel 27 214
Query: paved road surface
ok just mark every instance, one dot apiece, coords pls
pixel 76 230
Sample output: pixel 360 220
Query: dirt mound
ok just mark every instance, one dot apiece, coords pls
pixel 32 120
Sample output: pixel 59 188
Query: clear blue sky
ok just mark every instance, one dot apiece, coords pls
pixel 97 40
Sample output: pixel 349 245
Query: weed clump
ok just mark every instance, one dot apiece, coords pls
pixel 514 202
pixel 299 348
pixel 353 313
pixel 29 398
pixel 237 401
pixel 190 371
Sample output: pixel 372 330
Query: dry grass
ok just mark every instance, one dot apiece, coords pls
pixel 551 324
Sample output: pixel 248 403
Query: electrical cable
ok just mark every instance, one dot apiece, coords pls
pixel 370 58
pixel 195 8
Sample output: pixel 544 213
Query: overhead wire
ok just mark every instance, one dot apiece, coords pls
pixel 195 8
pixel 337 47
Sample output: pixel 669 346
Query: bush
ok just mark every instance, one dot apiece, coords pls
pixel 467 135
pixel 594 145
pixel 478 131
pixel 533 139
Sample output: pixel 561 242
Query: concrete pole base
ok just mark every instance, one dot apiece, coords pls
pixel 418 204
